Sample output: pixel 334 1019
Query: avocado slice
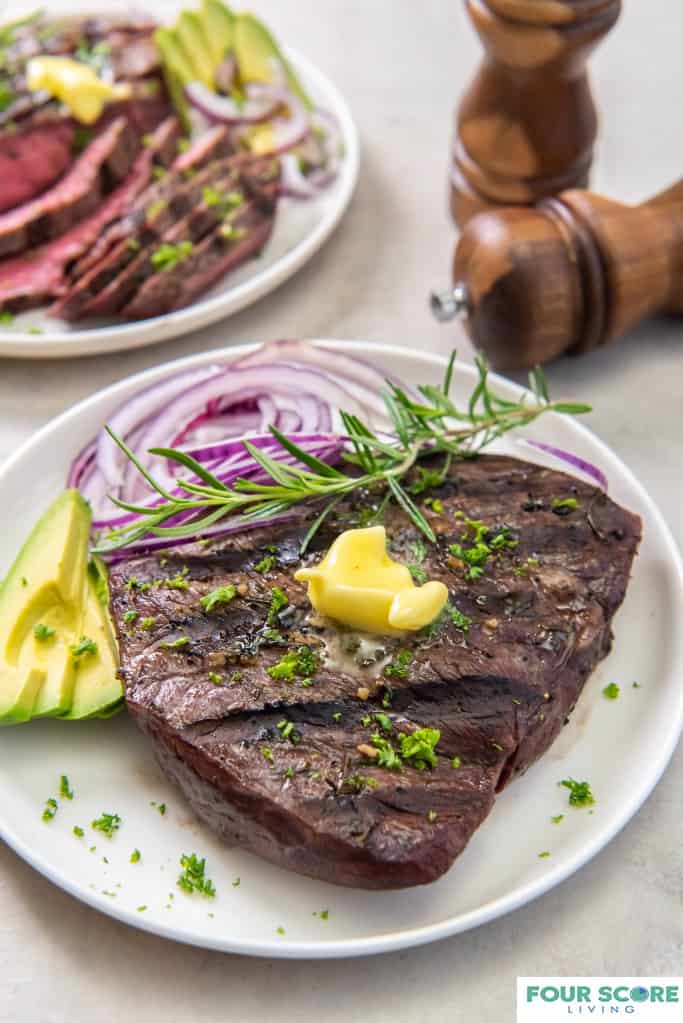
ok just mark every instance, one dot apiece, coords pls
pixel 189 31
pixel 255 49
pixel 45 587
pixel 219 29
pixel 98 690
pixel 178 71
pixel 18 690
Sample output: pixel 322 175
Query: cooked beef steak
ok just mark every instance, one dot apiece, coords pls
pixel 32 158
pixel 499 690
pixel 104 163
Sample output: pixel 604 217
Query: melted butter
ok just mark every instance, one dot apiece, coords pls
pixel 358 584
pixel 74 84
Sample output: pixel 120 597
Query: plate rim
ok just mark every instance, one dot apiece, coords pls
pixel 206 311
pixel 412 937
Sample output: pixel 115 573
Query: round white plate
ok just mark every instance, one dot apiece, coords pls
pixel 620 746
pixel 301 228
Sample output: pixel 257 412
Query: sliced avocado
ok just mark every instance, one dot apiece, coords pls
pixel 256 49
pixel 190 33
pixel 97 690
pixel 218 21
pixel 44 588
pixel 18 690
pixel 178 71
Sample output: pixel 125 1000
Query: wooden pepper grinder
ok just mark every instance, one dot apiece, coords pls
pixel 526 126
pixel 566 275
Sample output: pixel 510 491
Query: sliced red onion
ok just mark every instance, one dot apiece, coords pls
pixel 293 181
pixel 288 132
pixel 225 74
pixel 260 104
pixel 576 461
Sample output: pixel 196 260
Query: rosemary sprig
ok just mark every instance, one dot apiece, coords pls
pixel 432 425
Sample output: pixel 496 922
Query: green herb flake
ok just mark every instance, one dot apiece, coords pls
pixel 161 809
pixel 558 819
pixel 148 623
pixel 384 722
pixel 182 145
pixel 215 678
pixel 193 878
pixel 418 574
pixel 177 582
pixel 562 506
pixel 65 790
pixel 387 755
pixel 268 755
pixel 6 317
pixel 579 792
pixel 236 883
pixel 135 856
pixel 297 663
pixel 366 720
pixel 611 692
pixel 285 728
pixel 280 930
pixel 358 782
pixel 636 685
pixel 266 564
pixel 337 716
pixel 236 676
pixel 175 644
pixel 133 245
pixel 43 632
pixel 456 763
pixel 221 595
pixel 153 211
pixel 543 855
pixel 84 647
pixel 107 823
pixel 168 256
pixel 460 620
pixel 50 810
pixel 419 747
pixel 141 909
pixel 231 233
pixel 399 665
pixel 278 601
pixel 129 617
pixel 78 832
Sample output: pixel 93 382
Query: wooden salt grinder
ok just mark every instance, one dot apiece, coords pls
pixel 526 126
pixel 566 275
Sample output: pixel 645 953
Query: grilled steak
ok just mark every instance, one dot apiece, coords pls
pixel 32 158
pixel 498 679
pixel 34 278
pixel 103 164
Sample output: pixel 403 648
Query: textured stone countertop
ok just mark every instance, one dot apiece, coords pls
pixel 402 67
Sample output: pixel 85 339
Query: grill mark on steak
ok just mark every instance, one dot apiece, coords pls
pixel 34 278
pixel 104 163
pixel 499 693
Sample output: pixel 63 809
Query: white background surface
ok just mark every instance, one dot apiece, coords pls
pixel 402 67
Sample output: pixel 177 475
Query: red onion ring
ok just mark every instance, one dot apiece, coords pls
pixel 261 104
pixel 576 461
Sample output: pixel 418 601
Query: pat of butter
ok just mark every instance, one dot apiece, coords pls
pixel 357 583
pixel 74 84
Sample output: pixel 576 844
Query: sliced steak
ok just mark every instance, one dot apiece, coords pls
pixel 498 691
pixel 32 158
pixel 38 276
pixel 102 165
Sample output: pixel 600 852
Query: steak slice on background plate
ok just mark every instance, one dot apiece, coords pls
pixel 37 276
pixel 498 691
pixel 103 164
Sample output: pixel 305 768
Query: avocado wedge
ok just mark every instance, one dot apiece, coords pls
pixel 190 33
pixel 40 604
pixel 97 690
pixel 219 29
pixel 256 49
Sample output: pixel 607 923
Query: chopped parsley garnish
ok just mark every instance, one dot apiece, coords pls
pixel 358 782
pixel 558 819
pixel 280 930
pixel 159 173
pixel 129 617
pixel 399 665
pixel 266 564
pixel 481 546
pixel 611 692
pixel 141 909
pixel 78 832
pixel 418 574
pixel 426 478
pixel 436 504
pixel 387 755
pixel 177 582
pixel 148 623
pixel 232 233
pixel 215 678
pixel 65 790
pixel 419 747
pixel 636 685
pixel 297 663
pixel 168 256
pixel 6 95
pixel 579 792
pixel 135 856
pixel 418 551
pixel 43 632
pixel 175 644
pixel 278 601
pixel 289 773
pixel 153 210
pixel 193 877
pixel 50 809
pixel 384 722
pixel 159 807
pixel 225 201
pixel 221 595
pixel 267 754
pixel 286 730
pixel 236 676
pixel 133 245
pixel 460 620
pixel 543 855
pixel 83 647
pixel 236 883
pixel 456 762
pixel 108 824
pixel 324 914
pixel 6 318
pixel 563 506
pixel 337 716
pixel 366 720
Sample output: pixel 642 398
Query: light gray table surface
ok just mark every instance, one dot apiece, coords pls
pixel 402 67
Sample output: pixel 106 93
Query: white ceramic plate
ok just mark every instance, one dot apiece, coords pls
pixel 301 228
pixel 620 746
